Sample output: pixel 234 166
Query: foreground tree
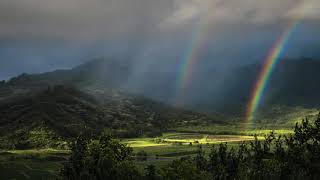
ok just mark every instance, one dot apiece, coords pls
pixel 102 159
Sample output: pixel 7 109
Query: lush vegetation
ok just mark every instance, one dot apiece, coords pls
pixel 175 156
pixel 294 156
pixel 40 123
pixel 51 117
pixel 32 164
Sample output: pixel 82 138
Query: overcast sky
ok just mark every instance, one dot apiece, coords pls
pixel 41 35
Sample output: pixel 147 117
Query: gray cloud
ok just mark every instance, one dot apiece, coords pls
pixel 78 19
pixel 248 11
pixel 91 20
pixel 48 34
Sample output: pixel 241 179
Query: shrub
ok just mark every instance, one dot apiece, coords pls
pixel 102 159
pixel 142 156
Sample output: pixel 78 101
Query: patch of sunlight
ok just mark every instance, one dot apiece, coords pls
pixel 211 139
pixel 38 151
pixel 267 131
pixel 137 143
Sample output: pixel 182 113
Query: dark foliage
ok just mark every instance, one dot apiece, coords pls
pixel 53 115
pixel 142 156
pixel 102 159
pixel 296 156
pixel 48 118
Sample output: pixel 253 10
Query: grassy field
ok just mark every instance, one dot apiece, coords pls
pixel 179 143
pixel 45 163
pixel 231 130
pixel 31 164
pixel 162 150
pixel 280 119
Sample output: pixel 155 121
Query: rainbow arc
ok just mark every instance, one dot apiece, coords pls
pixel 273 58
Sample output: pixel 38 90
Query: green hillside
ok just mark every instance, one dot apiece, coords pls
pixel 49 118
pixel 41 109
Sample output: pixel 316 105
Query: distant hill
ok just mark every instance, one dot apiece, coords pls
pixel 293 82
pixel 56 114
pixel 294 85
pixel 105 72
pixel 49 117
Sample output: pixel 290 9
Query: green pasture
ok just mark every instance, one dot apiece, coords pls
pixel 31 164
pixel 231 130
pixel 45 163
pixel 181 144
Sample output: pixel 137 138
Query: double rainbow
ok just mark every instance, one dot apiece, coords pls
pixel 190 58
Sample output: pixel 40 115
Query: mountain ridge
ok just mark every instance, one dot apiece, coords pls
pixel 292 83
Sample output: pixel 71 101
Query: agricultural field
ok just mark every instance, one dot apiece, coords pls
pixel 45 163
pixel 232 130
pixel 172 144
pixel 31 164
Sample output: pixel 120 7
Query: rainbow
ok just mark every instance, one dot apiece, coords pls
pixel 268 67
pixel 186 68
pixel 190 58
